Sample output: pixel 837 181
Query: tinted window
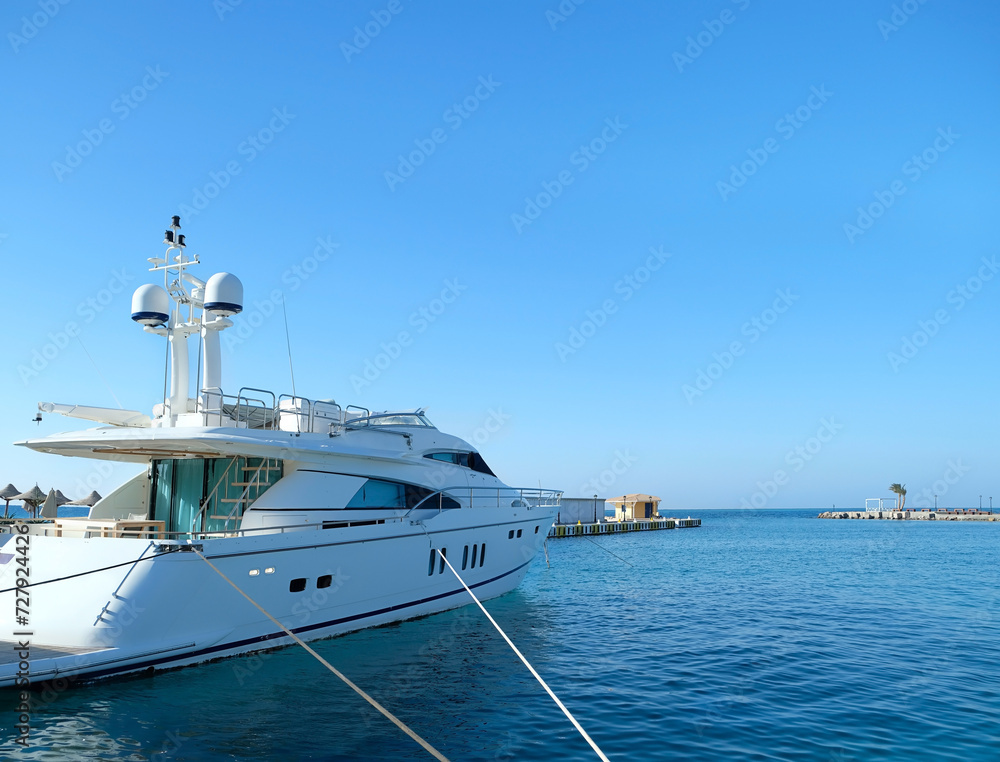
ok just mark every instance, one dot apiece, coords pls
pixel 376 493
pixel 471 460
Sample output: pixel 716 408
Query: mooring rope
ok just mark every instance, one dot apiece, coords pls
pixel 527 664
pixel 397 722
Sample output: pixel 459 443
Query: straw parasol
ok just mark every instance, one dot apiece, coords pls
pixel 8 493
pixel 88 501
pixel 61 499
pixel 31 499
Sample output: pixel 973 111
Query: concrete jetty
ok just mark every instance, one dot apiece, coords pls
pixel 613 527
pixel 925 514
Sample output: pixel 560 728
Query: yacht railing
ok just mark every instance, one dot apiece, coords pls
pixel 492 497
pixel 254 408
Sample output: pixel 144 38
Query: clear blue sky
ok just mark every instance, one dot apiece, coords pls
pixel 282 123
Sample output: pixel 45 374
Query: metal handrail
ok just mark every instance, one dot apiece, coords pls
pixel 246 490
pixel 205 503
pixel 262 406
pixel 524 494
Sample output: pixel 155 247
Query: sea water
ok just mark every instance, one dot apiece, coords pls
pixel 765 635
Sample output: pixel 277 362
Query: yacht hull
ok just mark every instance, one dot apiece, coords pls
pixel 146 605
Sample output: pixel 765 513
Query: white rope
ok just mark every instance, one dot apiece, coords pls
pixel 520 656
pixel 397 722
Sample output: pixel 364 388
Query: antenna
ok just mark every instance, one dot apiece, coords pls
pixel 288 343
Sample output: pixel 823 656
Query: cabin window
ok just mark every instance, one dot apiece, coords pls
pixel 510 535
pixel 430 563
pixel 475 552
pixel 444 553
pixel 465 557
pixel 378 493
pixel 325 581
pixel 297 585
pixel 536 530
pixel 518 532
pixel 482 556
pixel 471 460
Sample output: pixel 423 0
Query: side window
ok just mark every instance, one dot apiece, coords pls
pixel 444 552
pixel 465 557
pixel 376 493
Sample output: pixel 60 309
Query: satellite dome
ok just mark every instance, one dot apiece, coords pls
pixel 224 295
pixel 150 305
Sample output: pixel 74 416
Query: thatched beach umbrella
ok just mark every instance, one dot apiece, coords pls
pixel 8 493
pixel 31 499
pixel 88 501
pixel 61 499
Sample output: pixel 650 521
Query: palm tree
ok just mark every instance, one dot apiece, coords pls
pixel 900 490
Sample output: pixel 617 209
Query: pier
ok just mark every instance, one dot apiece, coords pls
pixel 618 527
pixel 925 514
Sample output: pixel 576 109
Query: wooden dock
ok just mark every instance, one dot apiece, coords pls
pixel 618 527
pixel 960 514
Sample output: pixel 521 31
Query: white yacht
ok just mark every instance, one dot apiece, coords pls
pixel 329 517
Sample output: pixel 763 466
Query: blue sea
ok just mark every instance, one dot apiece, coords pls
pixel 765 635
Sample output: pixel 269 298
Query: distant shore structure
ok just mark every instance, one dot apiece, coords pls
pixel 635 507
pixel 924 514
pixel 637 512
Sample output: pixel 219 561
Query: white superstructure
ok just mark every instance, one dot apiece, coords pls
pixel 329 517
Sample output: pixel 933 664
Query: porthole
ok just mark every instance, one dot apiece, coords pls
pixel 269 570
pixel 430 563
pixel 510 535
pixel 518 532
pixel 325 581
pixel 254 572
pixel 465 557
pixel 297 585
pixel 482 556
pixel 444 553
pixel 475 552
pixel 536 530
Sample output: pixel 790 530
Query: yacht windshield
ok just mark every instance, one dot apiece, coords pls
pixel 392 419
